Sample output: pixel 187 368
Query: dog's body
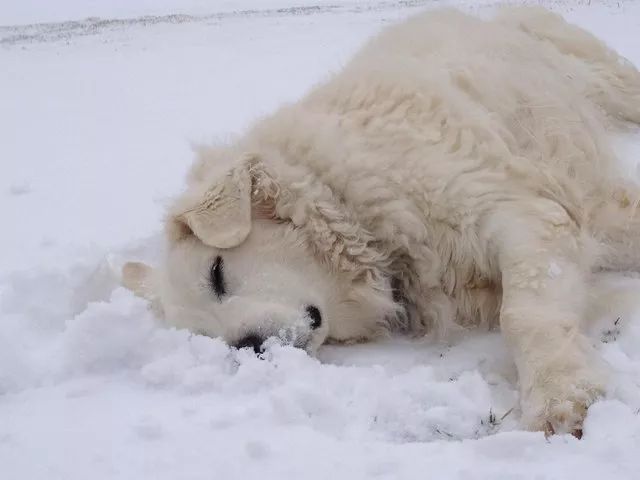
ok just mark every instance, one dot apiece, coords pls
pixel 457 171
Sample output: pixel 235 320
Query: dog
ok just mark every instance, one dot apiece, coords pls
pixel 457 172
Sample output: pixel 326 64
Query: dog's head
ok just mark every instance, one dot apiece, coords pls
pixel 248 261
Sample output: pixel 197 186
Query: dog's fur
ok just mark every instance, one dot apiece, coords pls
pixel 456 172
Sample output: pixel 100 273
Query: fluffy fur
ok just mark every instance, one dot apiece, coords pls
pixel 455 173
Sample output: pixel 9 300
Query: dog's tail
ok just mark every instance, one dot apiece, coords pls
pixel 608 79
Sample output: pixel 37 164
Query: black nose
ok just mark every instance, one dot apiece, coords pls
pixel 314 314
pixel 251 341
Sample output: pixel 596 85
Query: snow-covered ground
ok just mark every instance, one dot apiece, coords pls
pixel 96 121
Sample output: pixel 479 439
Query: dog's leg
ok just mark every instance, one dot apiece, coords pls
pixel 544 296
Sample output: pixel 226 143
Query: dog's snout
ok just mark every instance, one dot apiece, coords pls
pixel 314 314
pixel 251 341
pixel 284 335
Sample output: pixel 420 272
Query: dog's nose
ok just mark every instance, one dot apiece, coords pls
pixel 314 314
pixel 250 341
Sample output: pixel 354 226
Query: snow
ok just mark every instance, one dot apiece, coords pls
pixel 97 121
pixel 42 11
pixel 554 270
pixel 24 12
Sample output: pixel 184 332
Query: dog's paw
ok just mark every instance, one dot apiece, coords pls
pixel 560 405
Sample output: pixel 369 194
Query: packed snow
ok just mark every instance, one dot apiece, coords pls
pixel 97 119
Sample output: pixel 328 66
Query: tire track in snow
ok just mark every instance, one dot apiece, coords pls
pixel 54 31
pixel 50 32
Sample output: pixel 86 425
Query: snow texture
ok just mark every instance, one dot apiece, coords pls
pixel 97 117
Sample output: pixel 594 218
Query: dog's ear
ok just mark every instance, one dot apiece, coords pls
pixel 137 277
pixel 218 211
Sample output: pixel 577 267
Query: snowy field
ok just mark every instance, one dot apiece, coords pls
pixel 97 118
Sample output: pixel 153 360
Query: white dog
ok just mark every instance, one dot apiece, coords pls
pixel 456 172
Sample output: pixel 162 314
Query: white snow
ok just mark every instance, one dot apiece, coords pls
pixel 554 270
pixel 96 121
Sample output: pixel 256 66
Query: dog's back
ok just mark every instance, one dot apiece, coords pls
pixel 526 92
pixel 542 88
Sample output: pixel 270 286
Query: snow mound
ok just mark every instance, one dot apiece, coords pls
pixel 86 367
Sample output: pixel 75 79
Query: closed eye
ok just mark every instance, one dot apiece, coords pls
pixel 216 278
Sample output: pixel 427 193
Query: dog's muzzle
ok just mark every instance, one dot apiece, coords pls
pixel 257 341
